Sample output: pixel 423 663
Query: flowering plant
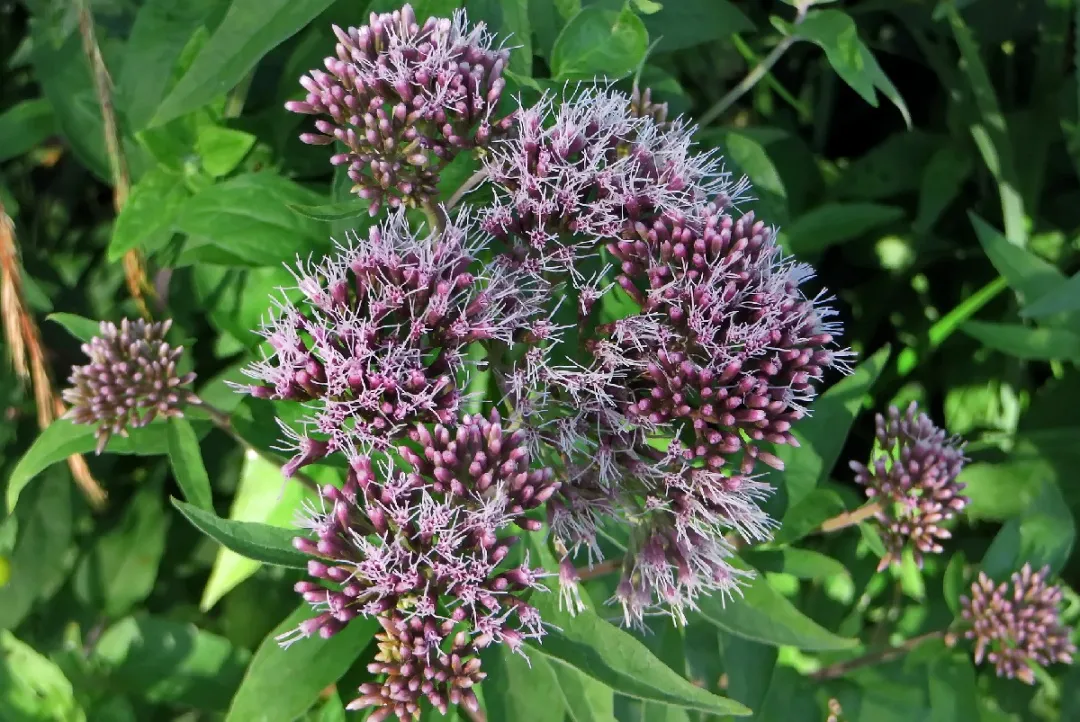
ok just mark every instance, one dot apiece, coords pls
pixel 544 416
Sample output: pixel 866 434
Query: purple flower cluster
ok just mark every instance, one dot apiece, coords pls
pixel 912 477
pixel 404 99
pixel 424 551
pixel 379 341
pixel 571 175
pixel 132 378
pixel 1017 624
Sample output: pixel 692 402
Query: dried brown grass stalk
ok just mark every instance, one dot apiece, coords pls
pixel 134 264
pixel 28 353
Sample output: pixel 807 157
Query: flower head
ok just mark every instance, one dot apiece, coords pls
pixel 426 551
pixel 913 477
pixel 404 98
pixel 571 175
pixel 378 341
pixel 1016 624
pixel 132 378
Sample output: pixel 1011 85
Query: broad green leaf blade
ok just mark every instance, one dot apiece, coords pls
pixel 805 516
pixel 1025 342
pixel 586 699
pixel 187 464
pixel 249 30
pixel 146 221
pixel 613 657
pixel 1065 298
pixel 599 43
pixel 1029 276
pixel 63 438
pixel 354 208
pixel 942 180
pixel 158 38
pixel 33 687
pixel 222 149
pixel 248 217
pixel 1003 490
pixel 119 571
pixel 38 563
pixel 763 615
pixel 835 32
pixel 281 684
pixel 24 126
pixel 521 689
pixel 81 328
pixel 799 563
pixel 953 694
pixel 508 18
pixel 834 223
pixel 749 667
pixel 822 436
pixel 268 502
pixel 263 543
pixel 684 23
pixel 1043 535
pixel 166 661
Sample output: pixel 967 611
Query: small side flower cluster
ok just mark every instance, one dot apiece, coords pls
pixel 913 479
pixel 1016 624
pixel 132 378
pixel 379 340
pixel 404 99
pixel 425 552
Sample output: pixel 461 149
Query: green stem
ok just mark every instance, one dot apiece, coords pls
pixel 879 656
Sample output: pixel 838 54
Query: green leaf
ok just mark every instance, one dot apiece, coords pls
pixel 893 167
pixel 952 689
pixel 170 662
pixel 953 581
pixel 998 491
pixel 354 208
pixel 1025 342
pixel 521 689
pixel 753 160
pixel 832 223
pixel 749 667
pixel 249 30
pixel 1029 276
pixel 943 178
pixel 614 658
pixel 1043 534
pixel 822 436
pixel 806 515
pixel 835 32
pixel 264 501
pixel 119 571
pixel 1065 298
pixel 158 38
pixel 281 684
pixel 38 563
pixel 222 149
pixel 63 438
pixel 81 328
pixel 249 218
pixel 263 543
pixel 599 43
pixel 24 126
pixel 763 615
pixel 32 687
pixel 799 563
pixel 187 464
pixel 146 221
pixel 684 23
pixel 586 699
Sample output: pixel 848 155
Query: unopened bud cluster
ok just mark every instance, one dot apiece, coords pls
pixel 1017 624
pixel 404 98
pixel 132 379
pixel 913 479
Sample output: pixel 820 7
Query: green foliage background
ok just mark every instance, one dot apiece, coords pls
pixel 922 154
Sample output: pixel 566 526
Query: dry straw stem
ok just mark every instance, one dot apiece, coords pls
pixel 850 518
pixel 879 656
pixel 134 265
pixel 28 354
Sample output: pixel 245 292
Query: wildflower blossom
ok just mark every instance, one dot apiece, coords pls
pixel 423 552
pixel 378 342
pixel 566 177
pixel 132 378
pixel 913 477
pixel 1017 624
pixel 404 98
